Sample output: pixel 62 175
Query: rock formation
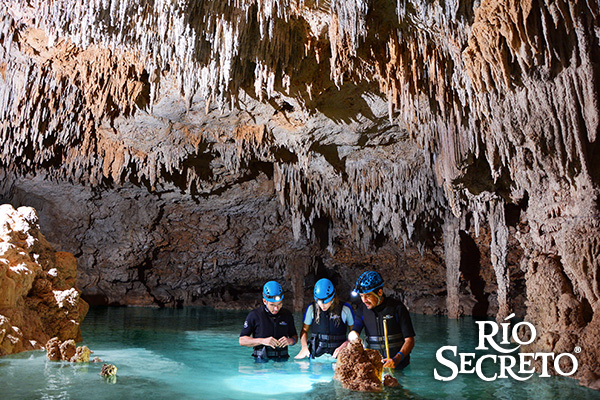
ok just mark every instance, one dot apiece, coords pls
pixel 359 369
pixel 202 148
pixel 67 351
pixel 37 295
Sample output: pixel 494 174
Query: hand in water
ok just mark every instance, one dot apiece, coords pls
pixel 304 352
pixel 337 351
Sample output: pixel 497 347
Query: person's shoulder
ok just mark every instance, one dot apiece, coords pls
pixel 348 310
pixel 397 304
pixel 361 309
pixel 310 309
pixel 400 303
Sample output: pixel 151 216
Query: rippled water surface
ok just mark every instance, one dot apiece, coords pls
pixel 193 353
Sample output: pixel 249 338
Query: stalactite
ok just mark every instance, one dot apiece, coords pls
pixel 380 195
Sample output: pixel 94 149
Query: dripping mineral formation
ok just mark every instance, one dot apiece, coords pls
pixel 186 152
pixel 38 299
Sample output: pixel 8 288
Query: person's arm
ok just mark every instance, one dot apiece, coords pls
pixel 409 344
pixel 358 324
pixel 246 336
pixel 304 352
pixel 409 337
pixel 251 342
pixel 348 319
pixel 342 346
pixel 288 341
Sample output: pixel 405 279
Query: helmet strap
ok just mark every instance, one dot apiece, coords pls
pixel 379 298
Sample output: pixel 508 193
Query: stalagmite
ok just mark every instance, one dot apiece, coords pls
pixel 452 258
pixel 498 249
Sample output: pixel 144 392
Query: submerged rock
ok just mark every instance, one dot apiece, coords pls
pixel 82 354
pixel 109 372
pixel 68 350
pixel 53 350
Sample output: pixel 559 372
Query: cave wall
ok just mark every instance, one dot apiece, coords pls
pixel 38 297
pixel 135 248
pixel 186 152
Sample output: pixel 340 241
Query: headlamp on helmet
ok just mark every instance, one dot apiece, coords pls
pixel 272 292
pixel 367 282
pixel 324 291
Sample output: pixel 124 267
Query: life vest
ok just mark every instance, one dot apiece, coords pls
pixel 326 336
pixel 271 325
pixel 373 322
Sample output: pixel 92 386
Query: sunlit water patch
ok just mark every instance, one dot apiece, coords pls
pixel 193 353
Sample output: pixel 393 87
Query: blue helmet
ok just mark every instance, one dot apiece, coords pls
pixel 272 292
pixel 324 291
pixel 367 282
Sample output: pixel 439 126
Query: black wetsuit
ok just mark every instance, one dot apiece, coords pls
pixel 260 323
pixel 399 327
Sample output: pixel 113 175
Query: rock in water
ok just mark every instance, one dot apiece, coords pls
pixel 108 370
pixel 390 381
pixel 82 354
pixel 38 299
pixel 53 349
pixel 359 368
pixel 67 351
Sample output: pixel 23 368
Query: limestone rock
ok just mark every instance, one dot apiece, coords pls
pixel 53 349
pixel 37 297
pixel 67 351
pixel 390 381
pixel 358 368
pixel 82 354
pixel 108 370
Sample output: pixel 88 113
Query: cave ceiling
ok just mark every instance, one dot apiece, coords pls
pixel 386 118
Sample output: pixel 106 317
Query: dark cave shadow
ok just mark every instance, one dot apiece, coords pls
pixel 345 104
pixel 470 268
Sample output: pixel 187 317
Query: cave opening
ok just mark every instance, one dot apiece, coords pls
pixel 587 311
pixel 470 269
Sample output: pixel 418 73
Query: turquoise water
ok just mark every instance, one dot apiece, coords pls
pixel 193 353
